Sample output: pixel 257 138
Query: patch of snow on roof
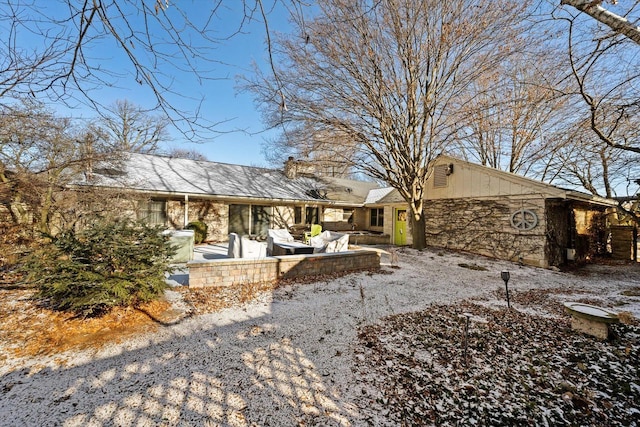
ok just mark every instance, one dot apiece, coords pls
pixel 183 176
pixel 377 194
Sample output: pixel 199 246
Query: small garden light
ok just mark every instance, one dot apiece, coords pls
pixel 506 276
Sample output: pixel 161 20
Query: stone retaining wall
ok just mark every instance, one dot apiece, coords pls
pixel 228 272
pixel 369 239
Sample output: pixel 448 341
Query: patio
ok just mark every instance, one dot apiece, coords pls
pixel 211 266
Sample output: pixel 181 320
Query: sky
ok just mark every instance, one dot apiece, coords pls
pixel 240 133
pixel 243 131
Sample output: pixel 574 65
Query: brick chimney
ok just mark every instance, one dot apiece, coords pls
pixel 291 168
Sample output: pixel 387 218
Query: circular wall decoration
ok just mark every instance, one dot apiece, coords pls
pixel 524 219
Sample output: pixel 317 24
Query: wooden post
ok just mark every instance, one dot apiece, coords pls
pixel 186 209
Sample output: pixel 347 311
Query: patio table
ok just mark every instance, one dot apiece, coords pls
pixel 291 248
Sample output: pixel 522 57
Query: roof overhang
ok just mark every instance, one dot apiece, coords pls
pixel 225 198
pixel 591 199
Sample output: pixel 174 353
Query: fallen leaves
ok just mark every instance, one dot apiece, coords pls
pixel 520 369
pixel 212 299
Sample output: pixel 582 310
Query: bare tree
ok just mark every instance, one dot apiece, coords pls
pixel 603 113
pixel 40 155
pixel 389 77
pixel 602 135
pixel 606 77
pixel 511 110
pixel 330 153
pixel 182 153
pixel 601 170
pixel 53 50
pixel 133 129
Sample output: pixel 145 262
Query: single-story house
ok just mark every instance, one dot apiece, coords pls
pixel 467 206
pixel 239 199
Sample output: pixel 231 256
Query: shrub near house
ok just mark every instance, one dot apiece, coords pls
pixel 107 264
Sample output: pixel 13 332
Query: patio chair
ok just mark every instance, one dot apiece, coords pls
pixel 316 229
pixel 252 248
pixel 243 247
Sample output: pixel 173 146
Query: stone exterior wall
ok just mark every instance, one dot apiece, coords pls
pixel 283 216
pixel 360 219
pixel 214 214
pixel 175 214
pixel 229 272
pixel 483 226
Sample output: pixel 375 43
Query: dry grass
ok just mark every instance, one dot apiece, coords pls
pixel 27 329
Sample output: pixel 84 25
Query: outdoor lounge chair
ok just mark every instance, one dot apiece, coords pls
pixel 316 229
pixel 243 247
pixel 252 248
pixel 234 250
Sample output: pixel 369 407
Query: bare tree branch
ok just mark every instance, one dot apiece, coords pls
pixel 54 50
pixel 617 23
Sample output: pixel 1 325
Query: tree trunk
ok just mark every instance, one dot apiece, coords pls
pixel 45 212
pixel 418 229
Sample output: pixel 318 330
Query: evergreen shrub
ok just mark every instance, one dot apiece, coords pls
pixel 105 265
pixel 199 230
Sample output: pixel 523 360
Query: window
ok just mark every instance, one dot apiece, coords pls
pixel 377 217
pixel 260 220
pixel 239 219
pixel 312 216
pixel 347 215
pixel 153 212
pixel 297 215
pixel 249 219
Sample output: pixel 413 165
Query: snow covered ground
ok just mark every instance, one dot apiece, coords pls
pixel 291 357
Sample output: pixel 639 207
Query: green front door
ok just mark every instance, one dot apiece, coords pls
pixel 400 227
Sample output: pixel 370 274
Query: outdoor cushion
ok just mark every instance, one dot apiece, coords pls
pixel 277 236
pixel 329 241
pixel 234 250
pixel 252 248
pixel 243 247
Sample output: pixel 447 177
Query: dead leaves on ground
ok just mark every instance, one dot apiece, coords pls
pixel 519 369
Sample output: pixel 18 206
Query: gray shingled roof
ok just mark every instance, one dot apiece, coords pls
pixel 151 173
